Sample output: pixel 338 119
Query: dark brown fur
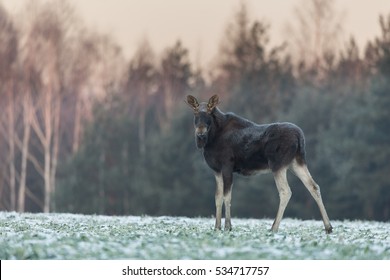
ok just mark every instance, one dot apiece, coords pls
pixel 232 144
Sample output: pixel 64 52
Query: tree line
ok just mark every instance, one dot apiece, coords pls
pixel 82 130
pixel 51 69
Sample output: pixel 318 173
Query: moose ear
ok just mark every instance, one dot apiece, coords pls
pixel 213 102
pixel 192 102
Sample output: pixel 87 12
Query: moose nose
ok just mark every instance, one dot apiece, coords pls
pixel 201 132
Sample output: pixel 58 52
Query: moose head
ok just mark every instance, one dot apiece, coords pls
pixel 202 118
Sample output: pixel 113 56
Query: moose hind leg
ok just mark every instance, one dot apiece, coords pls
pixel 302 172
pixel 284 190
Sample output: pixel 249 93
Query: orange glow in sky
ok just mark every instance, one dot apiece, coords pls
pixel 200 24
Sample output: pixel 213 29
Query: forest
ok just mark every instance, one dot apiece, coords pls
pixel 84 130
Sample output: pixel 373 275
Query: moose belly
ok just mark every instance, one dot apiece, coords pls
pixel 251 167
pixel 250 172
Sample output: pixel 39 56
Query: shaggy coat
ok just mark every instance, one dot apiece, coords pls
pixel 232 144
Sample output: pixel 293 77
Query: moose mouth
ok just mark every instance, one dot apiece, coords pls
pixel 201 141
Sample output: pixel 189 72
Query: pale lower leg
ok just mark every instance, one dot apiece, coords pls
pixel 218 201
pixel 227 201
pixel 304 175
pixel 284 196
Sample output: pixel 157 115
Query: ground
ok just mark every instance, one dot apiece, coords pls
pixel 69 236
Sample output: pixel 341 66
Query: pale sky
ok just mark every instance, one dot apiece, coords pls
pixel 200 24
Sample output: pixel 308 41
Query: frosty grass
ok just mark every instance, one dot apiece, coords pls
pixel 68 236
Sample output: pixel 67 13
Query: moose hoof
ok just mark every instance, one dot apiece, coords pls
pixel 274 230
pixel 228 227
pixel 329 229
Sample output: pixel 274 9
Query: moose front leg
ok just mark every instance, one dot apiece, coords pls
pixel 218 201
pixel 227 197
pixel 223 195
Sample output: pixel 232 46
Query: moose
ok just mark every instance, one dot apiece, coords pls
pixel 233 144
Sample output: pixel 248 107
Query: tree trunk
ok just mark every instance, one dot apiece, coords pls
pixel 24 150
pixel 102 194
pixel 44 136
pixel 46 147
pixel 56 143
pixel 77 126
pixel 142 132
pixel 11 142
pixel 46 178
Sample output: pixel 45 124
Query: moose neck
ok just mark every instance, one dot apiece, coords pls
pixel 218 120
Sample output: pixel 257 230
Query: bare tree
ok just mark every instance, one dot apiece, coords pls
pixel 84 54
pixel 316 31
pixel 8 55
pixel 141 87
pixel 51 70
pixel 107 75
pixel 175 78
pixel 250 69
pixel 42 58
pixel 74 72
pixel 24 148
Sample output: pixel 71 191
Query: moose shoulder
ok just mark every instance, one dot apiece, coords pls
pixel 232 144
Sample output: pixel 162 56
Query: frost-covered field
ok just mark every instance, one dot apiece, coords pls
pixel 67 236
